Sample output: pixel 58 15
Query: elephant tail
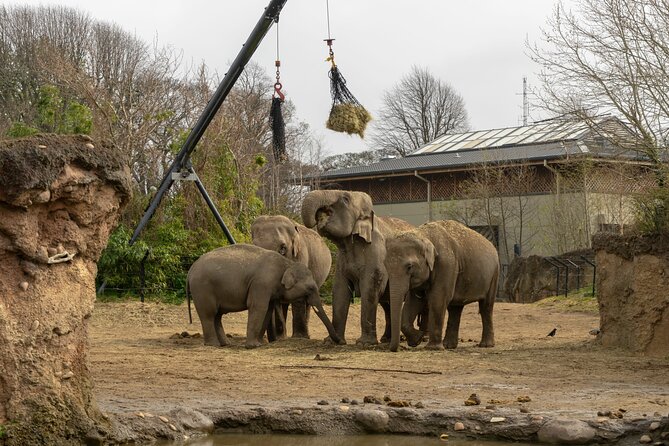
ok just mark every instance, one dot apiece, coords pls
pixel 190 315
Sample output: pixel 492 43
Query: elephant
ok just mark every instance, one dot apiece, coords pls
pixel 452 266
pixel 348 220
pixel 247 277
pixel 301 244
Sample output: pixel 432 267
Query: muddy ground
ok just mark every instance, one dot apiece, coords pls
pixel 138 366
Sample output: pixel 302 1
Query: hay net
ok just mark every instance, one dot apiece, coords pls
pixel 347 114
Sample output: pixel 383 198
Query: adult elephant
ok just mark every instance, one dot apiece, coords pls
pixel 452 266
pixel 348 220
pixel 300 244
pixel 246 277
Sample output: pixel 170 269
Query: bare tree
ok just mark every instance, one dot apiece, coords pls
pixel 419 109
pixel 611 56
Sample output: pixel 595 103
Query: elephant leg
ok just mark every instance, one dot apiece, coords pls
pixel 259 311
pixel 210 318
pixel 341 300
pixel 485 309
pixel 385 304
pixel 412 307
pixel 269 324
pixel 300 314
pixel 453 326
pixel 371 287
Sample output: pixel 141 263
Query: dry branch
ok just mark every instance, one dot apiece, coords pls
pixel 415 372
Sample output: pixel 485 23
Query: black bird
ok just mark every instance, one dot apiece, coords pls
pixel 552 333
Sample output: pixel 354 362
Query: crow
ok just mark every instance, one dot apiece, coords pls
pixel 552 333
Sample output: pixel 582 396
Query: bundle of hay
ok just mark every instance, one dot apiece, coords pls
pixel 347 115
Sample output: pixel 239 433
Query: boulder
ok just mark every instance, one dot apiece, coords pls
pixel 566 431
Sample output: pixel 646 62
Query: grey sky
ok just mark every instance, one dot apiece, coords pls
pixel 477 46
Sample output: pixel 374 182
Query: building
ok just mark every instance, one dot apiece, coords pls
pixel 543 188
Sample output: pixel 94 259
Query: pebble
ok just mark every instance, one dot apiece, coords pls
pixel 524 410
pixel 497 419
pixel 355 402
pixel 655 425
pixel 51 251
pixel 419 405
pixel 41 146
pixel 458 426
pixel 140 414
pixel 34 326
pixel 473 400
pixel 645 439
pixel 90 146
pixel 524 399
pixel 43 196
pixel 371 400
pixel 322 403
pixel 344 408
pixel 173 427
pixel 68 375
pixel 163 419
pixel 537 418
pixel 148 415
pixel 345 400
pixel 297 412
pixel 23 286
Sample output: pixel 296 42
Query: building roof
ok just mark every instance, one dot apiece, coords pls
pixel 536 142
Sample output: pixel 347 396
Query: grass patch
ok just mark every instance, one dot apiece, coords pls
pixel 580 300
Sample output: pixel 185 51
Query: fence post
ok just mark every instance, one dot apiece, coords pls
pixel 578 273
pixel 557 275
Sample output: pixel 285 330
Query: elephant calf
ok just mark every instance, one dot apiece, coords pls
pixel 246 277
pixel 454 266
pixel 300 244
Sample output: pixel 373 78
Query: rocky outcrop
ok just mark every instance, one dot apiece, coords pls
pixel 633 279
pixel 533 278
pixel 60 197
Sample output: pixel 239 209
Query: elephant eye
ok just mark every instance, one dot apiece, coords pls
pixel 283 249
pixel 409 267
pixel 345 199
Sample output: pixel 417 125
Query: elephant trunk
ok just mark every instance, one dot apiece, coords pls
pixel 397 294
pixel 320 312
pixel 315 200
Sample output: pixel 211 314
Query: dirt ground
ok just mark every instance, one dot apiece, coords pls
pixel 137 365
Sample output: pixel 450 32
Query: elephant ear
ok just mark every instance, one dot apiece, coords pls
pixel 364 227
pixel 297 243
pixel 430 254
pixel 288 280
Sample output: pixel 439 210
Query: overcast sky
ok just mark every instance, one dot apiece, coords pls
pixel 477 46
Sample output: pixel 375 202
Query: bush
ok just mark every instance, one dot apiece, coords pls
pixel 652 209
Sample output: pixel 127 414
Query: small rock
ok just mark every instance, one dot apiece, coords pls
pixel 386 398
pixel 594 331
pixel 41 146
pixel 497 419
pixel 43 196
pixel 602 419
pixel 645 439
pixel 616 414
pixel 58 374
pixel 355 402
pixel 297 412
pixel 140 414
pixel 68 375
pixel 655 425
pixel 524 410
pixel 29 268
pixel 34 326
pixel 443 437
pixel 473 400
pixel 524 399
pixel 373 420
pixel 537 418
pixel 344 408
pixel 419 405
pixel 60 248
pixel 399 403
pixel 459 426
pixel 604 413
pixel 322 403
pixel 477 428
pixel 371 400
pixel 173 427
pixel 89 146
pixel 345 400
pixel 491 407
pixel 185 334
pixel 148 415
pixel 163 419
pixel 51 251
pixel 23 286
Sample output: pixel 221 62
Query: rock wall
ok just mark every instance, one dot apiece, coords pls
pixel 532 278
pixel 633 292
pixel 60 197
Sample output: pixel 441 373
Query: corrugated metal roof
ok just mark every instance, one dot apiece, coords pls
pixel 544 140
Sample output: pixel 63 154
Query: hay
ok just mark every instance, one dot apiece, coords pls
pixel 348 118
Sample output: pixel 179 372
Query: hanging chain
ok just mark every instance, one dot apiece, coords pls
pixel 329 40
pixel 277 63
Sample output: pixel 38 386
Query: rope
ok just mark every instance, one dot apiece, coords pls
pixel 327 8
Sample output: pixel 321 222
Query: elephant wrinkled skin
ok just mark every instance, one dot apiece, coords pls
pixel 246 277
pixel 347 219
pixel 300 244
pixel 453 266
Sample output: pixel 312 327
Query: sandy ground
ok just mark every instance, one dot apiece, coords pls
pixel 137 366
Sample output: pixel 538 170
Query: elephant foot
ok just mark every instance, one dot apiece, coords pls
pixel 253 344
pixel 384 339
pixel 414 338
pixel 366 340
pixel 486 344
pixel 300 335
pixel 329 341
pixel 434 346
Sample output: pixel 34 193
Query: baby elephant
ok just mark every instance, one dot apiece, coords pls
pixel 246 277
